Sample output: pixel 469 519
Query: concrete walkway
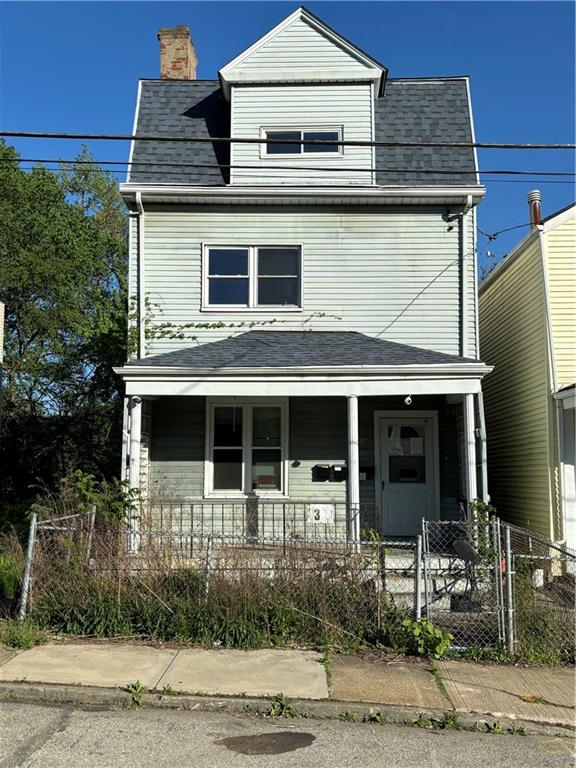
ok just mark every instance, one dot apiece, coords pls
pixel 539 695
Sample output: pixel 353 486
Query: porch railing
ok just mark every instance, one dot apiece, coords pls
pixel 258 518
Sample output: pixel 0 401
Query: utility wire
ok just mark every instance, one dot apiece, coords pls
pixel 245 140
pixel 279 176
pixel 214 166
pixel 494 235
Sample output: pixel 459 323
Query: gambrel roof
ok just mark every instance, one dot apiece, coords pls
pixel 427 109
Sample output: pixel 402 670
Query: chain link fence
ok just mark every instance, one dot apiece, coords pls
pixel 90 577
pixel 489 584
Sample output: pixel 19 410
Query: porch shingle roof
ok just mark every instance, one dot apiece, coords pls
pixel 282 349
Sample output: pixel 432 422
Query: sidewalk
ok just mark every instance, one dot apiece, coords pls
pixel 539 695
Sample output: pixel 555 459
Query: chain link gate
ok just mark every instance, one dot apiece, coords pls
pixel 465 580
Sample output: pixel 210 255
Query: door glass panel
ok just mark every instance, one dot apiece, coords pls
pixel 227 427
pixel 406 454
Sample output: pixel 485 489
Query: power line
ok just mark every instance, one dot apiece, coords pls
pixel 245 140
pixel 292 178
pixel 214 166
pixel 494 235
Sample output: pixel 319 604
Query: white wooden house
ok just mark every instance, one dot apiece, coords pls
pixel 305 313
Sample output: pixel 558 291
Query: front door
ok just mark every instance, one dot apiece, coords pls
pixel 408 461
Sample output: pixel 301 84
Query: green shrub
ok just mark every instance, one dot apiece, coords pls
pixel 10 571
pixel 422 638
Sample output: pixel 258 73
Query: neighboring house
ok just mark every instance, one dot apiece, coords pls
pixel 331 290
pixel 528 333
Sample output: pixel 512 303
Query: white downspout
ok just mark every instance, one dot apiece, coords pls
pixel 484 495
pixel 464 276
pixel 141 275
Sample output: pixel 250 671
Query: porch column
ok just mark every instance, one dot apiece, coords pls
pixel 135 437
pixel 484 495
pixel 353 469
pixel 470 449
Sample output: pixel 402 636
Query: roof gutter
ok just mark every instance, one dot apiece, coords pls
pixel 474 370
pixel 247 194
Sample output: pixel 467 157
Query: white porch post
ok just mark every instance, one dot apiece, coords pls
pixel 353 469
pixel 470 449
pixel 484 495
pixel 135 437
pixel 134 469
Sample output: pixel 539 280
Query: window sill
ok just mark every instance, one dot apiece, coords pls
pixel 215 310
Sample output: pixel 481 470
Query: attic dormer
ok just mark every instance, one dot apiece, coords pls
pixel 300 83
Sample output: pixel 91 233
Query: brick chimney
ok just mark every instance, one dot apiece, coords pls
pixel 178 59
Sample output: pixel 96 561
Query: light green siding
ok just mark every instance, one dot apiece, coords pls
pixel 345 105
pixel 388 272
pixel 317 435
pixel 516 393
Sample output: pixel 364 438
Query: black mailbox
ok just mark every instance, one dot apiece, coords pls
pixel 320 473
pixel 338 473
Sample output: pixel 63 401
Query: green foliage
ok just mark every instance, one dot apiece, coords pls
pixel 495 727
pixel 544 627
pixel 21 634
pixel 63 259
pixel 369 534
pixel 10 573
pixel 136 690
pixel 280 706
pixel 422 638
pixel 496 653
pixel 374 716
pixel 81 492
pixel 448 721
pixel 349 717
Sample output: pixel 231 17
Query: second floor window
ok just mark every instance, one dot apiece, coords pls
pixel 297 135
pixel 250 277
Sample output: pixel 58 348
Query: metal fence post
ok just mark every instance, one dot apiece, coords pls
pixel 208 567
pixel 90 533
pixel 24 595
pixel 509 598
pixel 418 579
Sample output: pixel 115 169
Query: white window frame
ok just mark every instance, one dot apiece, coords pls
pixel 247 405
pixel 264 130
pixel 252 305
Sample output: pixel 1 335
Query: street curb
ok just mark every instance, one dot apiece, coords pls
pixel 106 698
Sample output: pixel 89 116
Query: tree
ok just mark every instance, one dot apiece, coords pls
pixel 63 267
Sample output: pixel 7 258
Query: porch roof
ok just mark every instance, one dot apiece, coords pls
pixel 295 363
pixel 288 349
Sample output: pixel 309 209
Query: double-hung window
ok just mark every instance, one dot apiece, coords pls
pixel 251 277
pixel 247 450
pixel 284 137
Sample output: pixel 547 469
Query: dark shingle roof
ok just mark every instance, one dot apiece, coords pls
pixel 181 108
pixel 279 349
pixel 424 110
pixel 433 110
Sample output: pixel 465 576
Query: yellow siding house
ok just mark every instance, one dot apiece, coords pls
pixel 527 316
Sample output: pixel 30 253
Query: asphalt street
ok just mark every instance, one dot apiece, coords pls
pixel 32 736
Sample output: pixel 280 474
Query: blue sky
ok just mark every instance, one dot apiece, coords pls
pixel 74 67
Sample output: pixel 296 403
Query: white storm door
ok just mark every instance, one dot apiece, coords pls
pixel 408 474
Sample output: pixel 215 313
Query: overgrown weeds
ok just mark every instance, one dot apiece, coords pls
pixel 21 634
pixel 280 706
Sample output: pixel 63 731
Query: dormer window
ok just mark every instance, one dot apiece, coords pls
pixel 286 135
